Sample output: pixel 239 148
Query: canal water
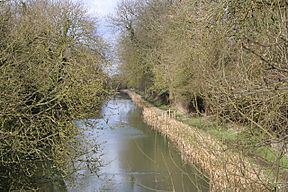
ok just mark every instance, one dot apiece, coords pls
pixel 134 157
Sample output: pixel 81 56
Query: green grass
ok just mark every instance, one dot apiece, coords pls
pixel 269 155
pixel 221 133
pixel 228 135
pixel 224 135
pixel 233 138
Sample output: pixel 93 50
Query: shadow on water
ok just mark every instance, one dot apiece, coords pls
pixel 135 158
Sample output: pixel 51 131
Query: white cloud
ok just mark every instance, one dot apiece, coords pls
pixel 100 8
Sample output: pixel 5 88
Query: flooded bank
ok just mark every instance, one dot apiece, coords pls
pixel 135 158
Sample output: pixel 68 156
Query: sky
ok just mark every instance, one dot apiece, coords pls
pixel 101 9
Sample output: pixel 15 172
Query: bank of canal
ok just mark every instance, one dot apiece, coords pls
pixel 135 157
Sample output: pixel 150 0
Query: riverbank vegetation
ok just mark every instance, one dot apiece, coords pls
pixel 225 62
pixel 227 170
pixel 51 73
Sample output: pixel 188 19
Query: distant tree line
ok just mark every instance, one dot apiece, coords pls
pixel 51 73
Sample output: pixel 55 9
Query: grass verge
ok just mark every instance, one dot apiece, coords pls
pixel 233 136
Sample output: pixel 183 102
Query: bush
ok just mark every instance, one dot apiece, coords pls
pixel 51 66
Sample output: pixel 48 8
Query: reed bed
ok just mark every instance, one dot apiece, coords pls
pixel 227 170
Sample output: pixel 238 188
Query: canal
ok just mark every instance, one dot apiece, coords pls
pixel 134 157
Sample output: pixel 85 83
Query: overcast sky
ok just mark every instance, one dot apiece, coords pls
pixel 101 9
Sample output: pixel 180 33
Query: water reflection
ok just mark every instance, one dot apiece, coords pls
pixel 136 158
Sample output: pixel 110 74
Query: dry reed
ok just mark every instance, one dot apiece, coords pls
pixel 227 170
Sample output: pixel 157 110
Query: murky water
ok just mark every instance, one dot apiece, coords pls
pixel 135 158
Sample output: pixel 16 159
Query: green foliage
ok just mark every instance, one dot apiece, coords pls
pixel 224 53
pixel 228 57
pixel 51 63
